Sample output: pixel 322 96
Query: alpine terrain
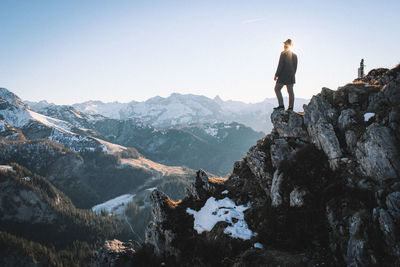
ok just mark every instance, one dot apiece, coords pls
pixel 71 180
pixel 179 109
pixel 322 189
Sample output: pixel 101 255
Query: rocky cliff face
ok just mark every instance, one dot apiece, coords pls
pixel 322 188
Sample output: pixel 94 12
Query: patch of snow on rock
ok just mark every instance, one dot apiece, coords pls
pixel 77 114
pixel 223 210
pixel 225 192
pixel 368 116
pixel 151 189
pixel 110 147
pixel 211 131
pixel 115 206
pixel 258 245
pixel 6 168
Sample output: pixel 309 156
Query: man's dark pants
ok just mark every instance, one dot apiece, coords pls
pixel 278 88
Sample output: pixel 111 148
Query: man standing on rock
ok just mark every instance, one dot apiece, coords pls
pixel 285 74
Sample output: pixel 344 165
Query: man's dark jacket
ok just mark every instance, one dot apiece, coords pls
pixel 287 68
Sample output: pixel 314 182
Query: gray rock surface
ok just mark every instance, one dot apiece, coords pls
pixel 346 119
pixel 276 196
pixel 156 234
pixel 297 197
pixel 319 119
pixel 288 124
pixel 378 154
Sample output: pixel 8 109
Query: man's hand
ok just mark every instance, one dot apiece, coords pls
pixel 275 78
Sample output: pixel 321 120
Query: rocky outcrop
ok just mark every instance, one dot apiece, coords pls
pixel 377 153
pixel 323 188
pixel 114 253
pixel 201 187
pixel 156 233
pixel 288 124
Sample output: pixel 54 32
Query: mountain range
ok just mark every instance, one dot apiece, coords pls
pixel 183 109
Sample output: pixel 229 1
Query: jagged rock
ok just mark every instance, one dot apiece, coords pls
pixel 114 253
pixel 288 123
pixel 346 119
pixel 319 108
pixel 329 143
pixel 156 234
pixel 276 196
pixel 297 197
pixel 353 97
pixel 377 153
pixel 351 140
pixel 252 257
pixel 319 115
pixel 280 150
pixel 389 231
pixel 356 253
pixel 256 161
pixel 393 201
pixel 201 187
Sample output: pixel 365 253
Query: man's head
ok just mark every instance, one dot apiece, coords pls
pixel 287 44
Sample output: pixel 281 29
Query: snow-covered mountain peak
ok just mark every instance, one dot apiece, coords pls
pixel 39 105
pixel 111 109
pixel 178 109
pixel 11 98
pixel 218 99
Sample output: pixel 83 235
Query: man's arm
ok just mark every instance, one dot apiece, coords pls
pixel 280 66
pixel 294 63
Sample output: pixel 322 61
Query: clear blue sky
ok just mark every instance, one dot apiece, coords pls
pixel 72 51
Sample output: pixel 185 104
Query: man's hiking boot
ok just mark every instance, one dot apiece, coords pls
pixel 289 109
pixel 279 107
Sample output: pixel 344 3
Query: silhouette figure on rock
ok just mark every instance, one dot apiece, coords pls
pixel 285 74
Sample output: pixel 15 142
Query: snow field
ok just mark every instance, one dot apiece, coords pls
pixel 223 210
pixel 115 205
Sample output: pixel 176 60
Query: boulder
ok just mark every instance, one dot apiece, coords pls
pixel 288 124
pixel 377 153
